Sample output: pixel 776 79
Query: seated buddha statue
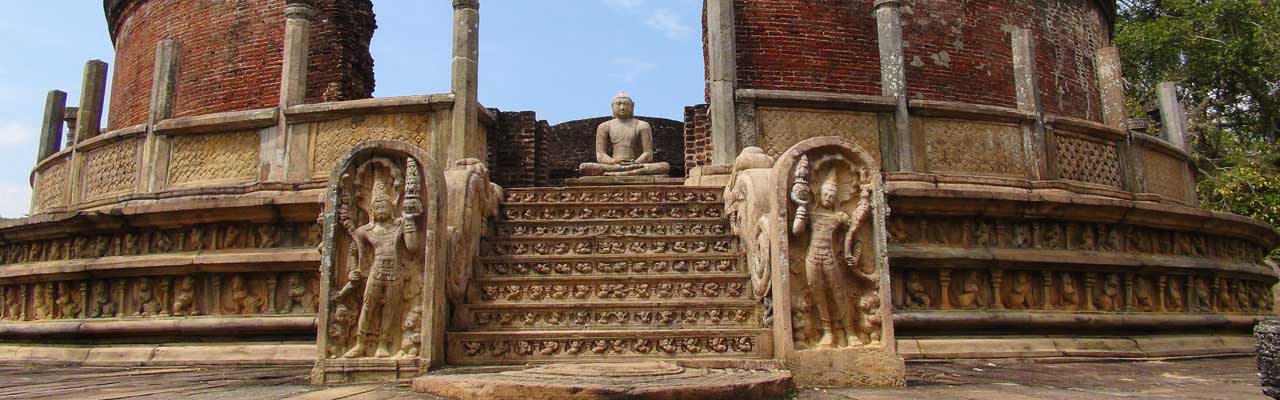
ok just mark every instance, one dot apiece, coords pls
pixel 624 145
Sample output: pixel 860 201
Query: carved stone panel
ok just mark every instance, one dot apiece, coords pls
pixel 1165 175
pixel 382 265
pixel 1088 160
pixel 332 139
pixel 831 288
pixel 110 170
pixel 214 158
pixel 781 128
pixel 974 148
pixel 51 185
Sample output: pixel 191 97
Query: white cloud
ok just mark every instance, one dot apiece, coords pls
pixel 15 200
pixel 629 69
pixel 624 4
pixel 14 133
pixel 667 22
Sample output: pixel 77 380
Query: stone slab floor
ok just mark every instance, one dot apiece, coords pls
pixel 1229 378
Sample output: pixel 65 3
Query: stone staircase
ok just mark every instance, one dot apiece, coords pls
pixel 588 274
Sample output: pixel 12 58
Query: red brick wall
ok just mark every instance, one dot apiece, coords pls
pixel 955 50
pixel 697 137
pixel 232 52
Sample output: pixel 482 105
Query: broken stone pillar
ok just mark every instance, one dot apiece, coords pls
pixel 723 76
pixel 93 93
pixel 1027 86
pixel 893 83
pixel 164 83
pixel 55 106
pixel 1172 116
pixel 69 118
pixel 465 140
pixel 1111 84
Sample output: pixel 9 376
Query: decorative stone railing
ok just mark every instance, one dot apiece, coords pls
pixel 231 153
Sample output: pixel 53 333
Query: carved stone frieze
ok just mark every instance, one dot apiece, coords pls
pixel 52 184
pixel 1089 160
pixel 204 237
pixel 593 246
pixel 160 296
pixel 603 346
pixel 987 232
pixel 524 212
pixel 610 195
pixel 110 170
pixel 542 230
pixel 992 289
pixel 971 147
pixel 214 158
pixel 742 316
pixel 516 292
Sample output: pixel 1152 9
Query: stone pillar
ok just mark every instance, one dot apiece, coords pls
pixel 465 139
pixel 69 117
pixel 1111 85
pixel 55 109
pixel 1039 150
pixel 297 42
pixel 164 83
pixel 893 83
pixel 93 93
pixel 1173 118
pixel 723 70
pixel 273 156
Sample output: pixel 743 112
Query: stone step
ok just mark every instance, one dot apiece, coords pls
pixel 612 194
pixel 628 212
pixel 610 265
pixel 608 245
pixel 639 289
pixel 631 228
pixel 525 347
pixel 598 315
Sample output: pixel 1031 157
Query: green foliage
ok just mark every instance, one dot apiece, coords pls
pixel 1225 54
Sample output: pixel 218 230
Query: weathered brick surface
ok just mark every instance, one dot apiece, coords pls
pixel 697 137
pixel 572 143
pixel 232 52
pixel 955 50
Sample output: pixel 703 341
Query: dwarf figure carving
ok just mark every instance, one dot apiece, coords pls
pixel 1020 296
pixel 969 298
pixel 297 291
pixel 381 242
pixel 1109 299
pixel 827 275
pixel 69 300
pixel 184 297
pixel 411 337
pixel 917 296
pixel 1070 297
pixel 43 301
pixel 103 306
pixel 243 299
pixel 146 299
pixel 339 329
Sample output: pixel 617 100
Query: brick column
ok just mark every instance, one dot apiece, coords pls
pixel 1038 144
pixel 55 108
pixel 164 83
pixel 723 71
pixel 464 140
pixel 893 83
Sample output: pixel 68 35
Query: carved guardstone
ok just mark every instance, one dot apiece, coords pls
pixel 831 298
pixel 382 258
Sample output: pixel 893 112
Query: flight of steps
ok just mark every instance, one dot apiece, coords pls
pixel 587 274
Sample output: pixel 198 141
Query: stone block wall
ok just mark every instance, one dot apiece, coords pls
pixel 232 53
pixel 697 137
pixel 954 51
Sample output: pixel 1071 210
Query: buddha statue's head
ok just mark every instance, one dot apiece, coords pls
pixel 623 106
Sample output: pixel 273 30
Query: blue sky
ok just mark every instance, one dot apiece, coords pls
pixel 564 59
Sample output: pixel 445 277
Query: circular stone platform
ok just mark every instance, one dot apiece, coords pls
pixel 613 381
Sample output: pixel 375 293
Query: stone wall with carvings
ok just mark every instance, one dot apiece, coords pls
pixel 110 170
pixel 51 184
pixel 331 139
pixel 1165 175
pixel 781 128
pixel 214 158
pixel 954 146
pixel 1085 159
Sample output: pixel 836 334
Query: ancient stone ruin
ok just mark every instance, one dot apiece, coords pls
pixel 977 194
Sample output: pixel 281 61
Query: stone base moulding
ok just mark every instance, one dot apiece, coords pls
pixel 641 380
pixel 150 355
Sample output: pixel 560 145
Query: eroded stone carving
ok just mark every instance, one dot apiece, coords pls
pixel 624 145
pixel 468 182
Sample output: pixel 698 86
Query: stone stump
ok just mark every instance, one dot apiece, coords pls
pixel 1268 335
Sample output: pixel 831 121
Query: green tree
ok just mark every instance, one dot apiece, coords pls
pixel 1225 54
